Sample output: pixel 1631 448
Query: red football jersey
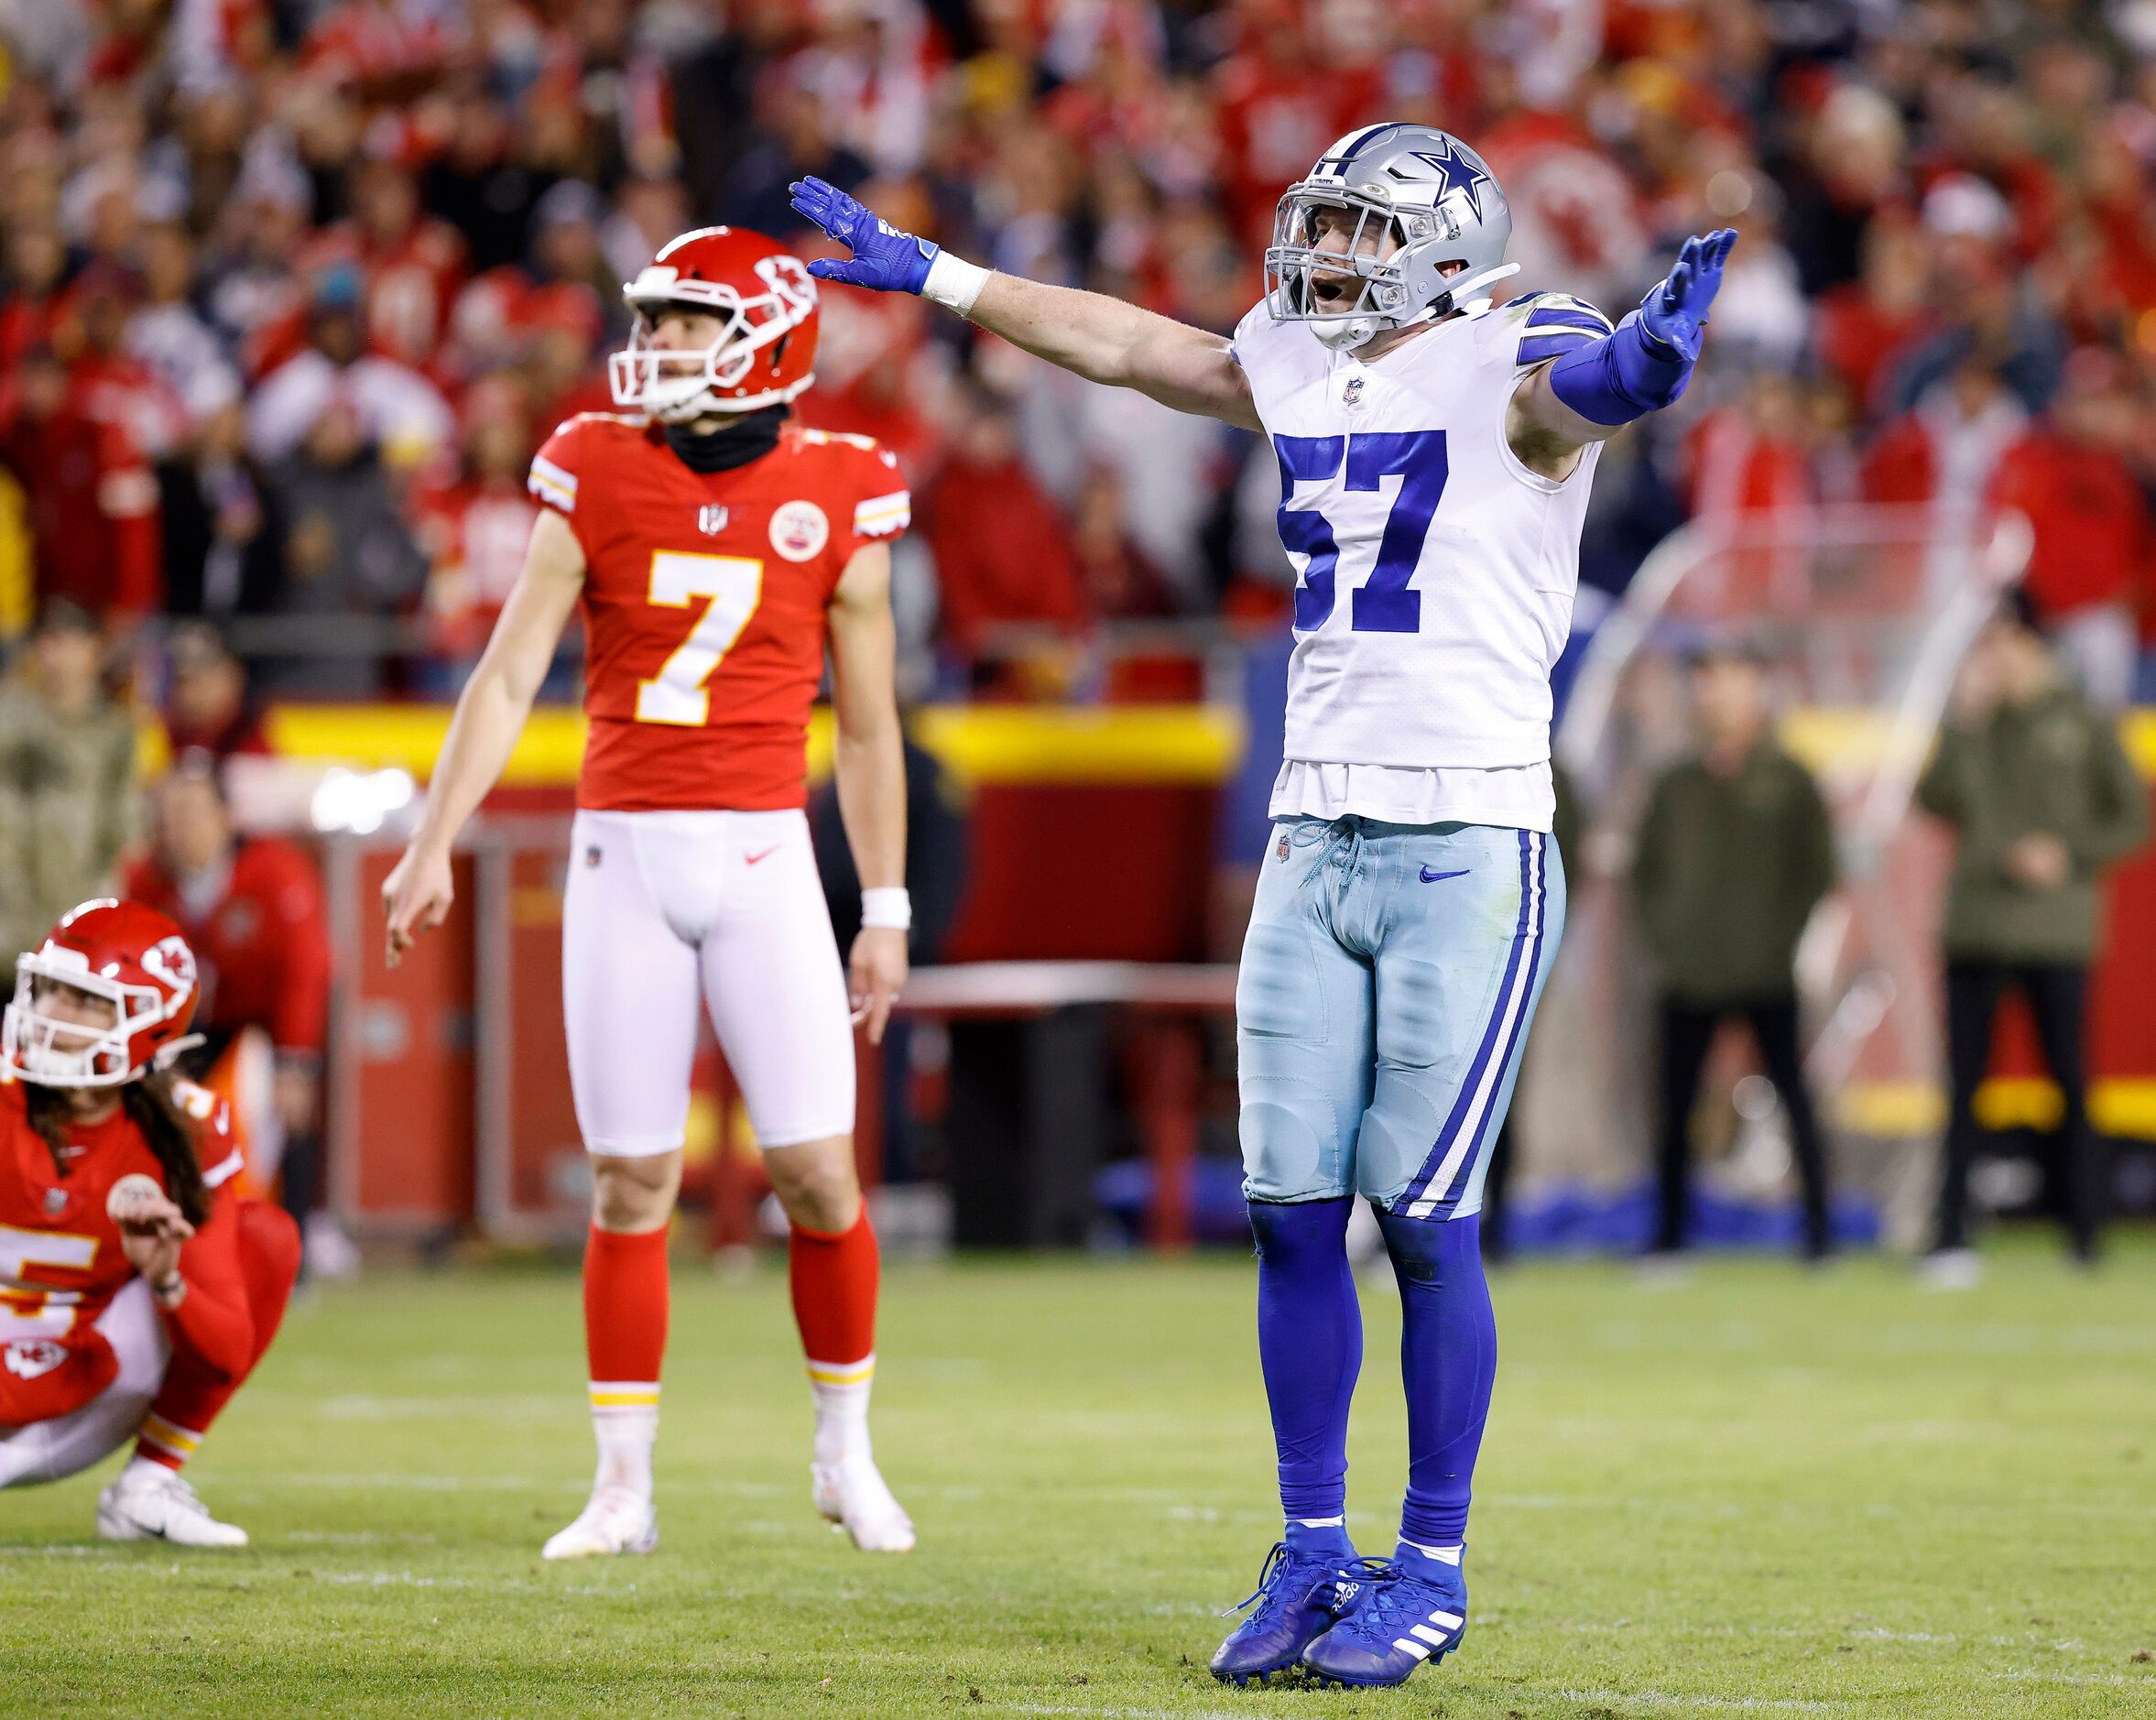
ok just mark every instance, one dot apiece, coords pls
pixel 61 1260
pixel 261 949
pixel 705 604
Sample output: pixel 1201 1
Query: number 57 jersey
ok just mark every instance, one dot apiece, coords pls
pixel 1436 571
pixel 705 604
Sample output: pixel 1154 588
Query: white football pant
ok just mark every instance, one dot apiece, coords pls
pixel 662 910
pixel 68 1444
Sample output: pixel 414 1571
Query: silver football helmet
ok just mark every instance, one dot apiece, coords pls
pixel 1362 244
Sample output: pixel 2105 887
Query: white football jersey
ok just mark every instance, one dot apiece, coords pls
pixel 1436 571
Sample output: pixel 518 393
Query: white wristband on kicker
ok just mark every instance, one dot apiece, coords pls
pixel 889 908
pixel 955 282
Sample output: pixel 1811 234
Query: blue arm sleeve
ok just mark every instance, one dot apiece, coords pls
pixel 1624 377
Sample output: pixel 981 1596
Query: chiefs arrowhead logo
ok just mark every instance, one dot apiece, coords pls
pixel 31 1358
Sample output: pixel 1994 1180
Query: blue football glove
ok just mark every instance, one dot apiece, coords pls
pixel 1675 312
pixel 884 260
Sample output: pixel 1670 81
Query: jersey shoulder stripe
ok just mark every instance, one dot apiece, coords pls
pixel 881 514
pixel 553 483
pixel 1554 325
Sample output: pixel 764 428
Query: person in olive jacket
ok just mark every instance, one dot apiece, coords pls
pixel 1734 853
pixel 2042 799
pixel 69 809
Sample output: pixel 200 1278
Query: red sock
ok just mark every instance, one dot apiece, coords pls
pixel 834 1278
pixel 189 1400
pixel 625 1326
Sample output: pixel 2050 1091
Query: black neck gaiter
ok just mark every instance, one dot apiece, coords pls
pixel 736 443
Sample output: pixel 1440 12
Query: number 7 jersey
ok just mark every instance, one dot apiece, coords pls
pixel 1436 571
pixel 705 604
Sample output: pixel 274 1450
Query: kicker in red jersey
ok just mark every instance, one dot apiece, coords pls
pixel 705 604
pixel 61 1260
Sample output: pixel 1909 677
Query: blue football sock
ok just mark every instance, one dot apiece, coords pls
pixel 1448 1354
pixel 1310 1340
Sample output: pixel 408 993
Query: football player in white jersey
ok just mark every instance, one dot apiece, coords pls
pixel 1435 451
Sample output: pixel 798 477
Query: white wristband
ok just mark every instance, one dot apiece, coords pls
pixel 955 282
pixel 889 908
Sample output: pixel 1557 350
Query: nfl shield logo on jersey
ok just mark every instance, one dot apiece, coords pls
pixel 710 520
pixel 56 1203
pixel 1352 394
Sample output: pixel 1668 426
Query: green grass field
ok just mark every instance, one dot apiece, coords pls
pixel 1757 1492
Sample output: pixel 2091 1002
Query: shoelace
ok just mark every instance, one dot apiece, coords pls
pixel 1383 1579
pixel 1269 1578
pixel 1267 1574
pixel 177 1486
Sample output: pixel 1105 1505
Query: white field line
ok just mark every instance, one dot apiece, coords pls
pixel 347 1579
pixel 1126 1713
pixel 524 1408
pixel 1705 1705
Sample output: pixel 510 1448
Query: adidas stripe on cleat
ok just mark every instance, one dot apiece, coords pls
pixel 1390 1622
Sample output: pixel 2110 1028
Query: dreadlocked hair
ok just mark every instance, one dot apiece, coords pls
pixel 166 1131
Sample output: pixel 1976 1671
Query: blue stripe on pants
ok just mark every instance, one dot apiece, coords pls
pixel 1464 1128
pixel 1388 982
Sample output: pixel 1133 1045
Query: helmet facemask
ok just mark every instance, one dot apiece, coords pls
pixel 1394 254
pixel 677 384
pixel 51 1047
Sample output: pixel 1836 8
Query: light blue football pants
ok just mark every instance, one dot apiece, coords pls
pixel 1388 979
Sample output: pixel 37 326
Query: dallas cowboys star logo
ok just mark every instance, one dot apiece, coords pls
pixel 1456 172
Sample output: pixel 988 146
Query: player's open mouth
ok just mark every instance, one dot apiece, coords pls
pixel 1335 292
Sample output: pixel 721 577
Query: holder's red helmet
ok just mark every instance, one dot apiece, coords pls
pixel 763 355
pixel 124 954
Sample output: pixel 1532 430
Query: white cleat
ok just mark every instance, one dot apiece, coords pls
pixel 617 1520
pixel 851 1494
pixel 1951 1270
pixel 155 1503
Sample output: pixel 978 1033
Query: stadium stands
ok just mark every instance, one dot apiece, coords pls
pixel 327 269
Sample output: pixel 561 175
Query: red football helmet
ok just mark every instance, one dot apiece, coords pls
pixel 764 354
pixel 122 953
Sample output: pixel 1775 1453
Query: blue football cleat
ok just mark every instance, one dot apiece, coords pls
pixel 1390 1622
pixel 1294 1603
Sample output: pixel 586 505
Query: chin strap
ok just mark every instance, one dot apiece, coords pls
pixel 1456 296
pixel 1458 292
pixel 165 1056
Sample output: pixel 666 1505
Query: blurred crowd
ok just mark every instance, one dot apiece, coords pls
pixel 290 289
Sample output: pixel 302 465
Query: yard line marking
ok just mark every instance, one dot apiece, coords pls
pixel 1717 1704
pixel 1127 1713
pixel 356 1406
pixel 436 1483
